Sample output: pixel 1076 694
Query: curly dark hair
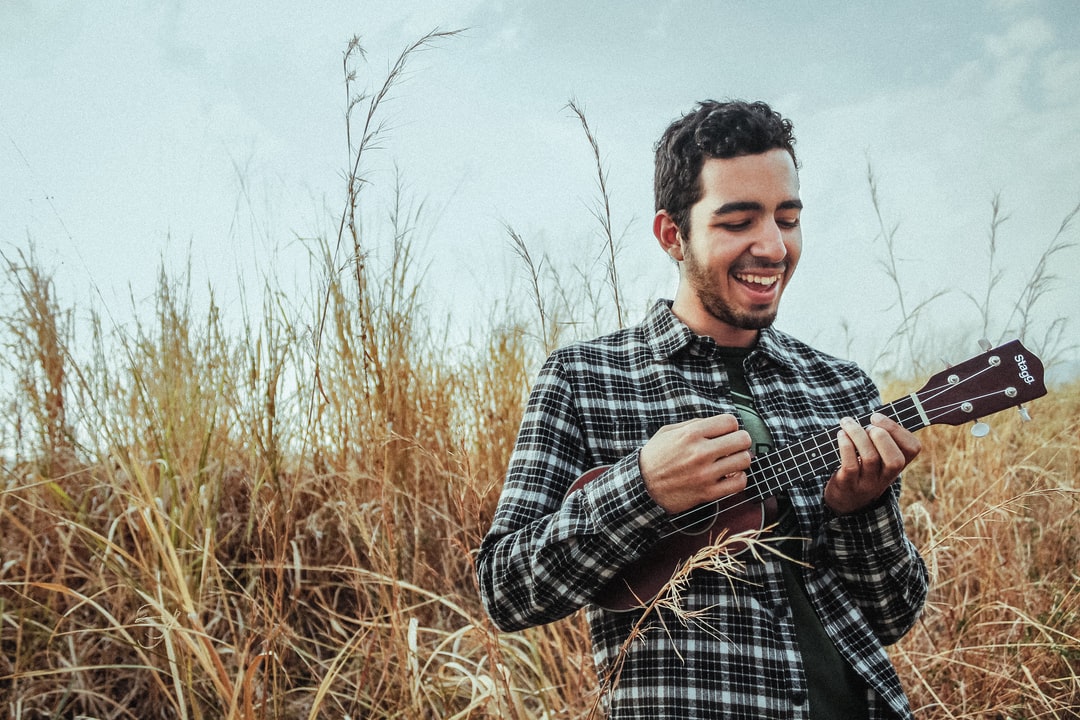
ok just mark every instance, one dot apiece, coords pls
pixel 712 130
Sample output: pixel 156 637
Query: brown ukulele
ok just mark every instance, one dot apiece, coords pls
pixel 1000 378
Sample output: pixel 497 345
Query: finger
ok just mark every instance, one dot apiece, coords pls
pixel 868 457
pixel 732 443
pixel 885 422
pixel 892 459
pixel 734 463
pixel 730 484
pixel 721 421
pixel 849 456
pixel 716 426
pixel 905 440
pixel 716 456
pixel 715 438
pixel 706 428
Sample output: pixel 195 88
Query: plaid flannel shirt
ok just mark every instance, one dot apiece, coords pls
pixel 596 403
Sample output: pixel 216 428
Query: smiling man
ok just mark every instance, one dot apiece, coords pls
pixel 747 219
pixel 673 411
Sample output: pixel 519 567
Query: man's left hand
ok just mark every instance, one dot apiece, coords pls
pixel 871 459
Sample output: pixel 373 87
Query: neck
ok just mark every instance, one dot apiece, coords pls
pixel 704 323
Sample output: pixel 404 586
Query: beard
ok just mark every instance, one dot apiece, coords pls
pixel 707 290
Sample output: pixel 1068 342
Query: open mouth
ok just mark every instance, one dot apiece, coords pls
pixel 760 287
pixel 759 282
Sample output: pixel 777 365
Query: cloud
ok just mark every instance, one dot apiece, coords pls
pixel 1021 39
pixel 951 106
pixel 1002 121
pixel 1060 78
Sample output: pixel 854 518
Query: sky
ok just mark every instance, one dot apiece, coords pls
pixel 210 138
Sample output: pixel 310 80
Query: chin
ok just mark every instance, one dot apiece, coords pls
pixel 743 320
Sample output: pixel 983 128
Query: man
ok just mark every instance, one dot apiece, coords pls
pixel 677 407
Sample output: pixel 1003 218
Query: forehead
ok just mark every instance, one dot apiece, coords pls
pixel 769 177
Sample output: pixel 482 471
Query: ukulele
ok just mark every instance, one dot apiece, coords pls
pixel 1000 378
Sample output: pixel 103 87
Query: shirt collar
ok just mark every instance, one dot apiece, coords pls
pixel 667 335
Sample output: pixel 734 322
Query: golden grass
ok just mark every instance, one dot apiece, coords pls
pixel 996 521
pixel 182 538
pixel 277 522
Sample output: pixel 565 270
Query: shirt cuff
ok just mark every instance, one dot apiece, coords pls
pixel 875 531
pixel 873 507
pixel 621 507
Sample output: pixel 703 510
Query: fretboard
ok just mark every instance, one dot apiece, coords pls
pixel 774 472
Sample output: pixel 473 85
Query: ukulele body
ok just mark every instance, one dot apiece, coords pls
pixel 645 578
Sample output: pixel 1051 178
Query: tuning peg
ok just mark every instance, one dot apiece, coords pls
pixel 985 344
pixel 1023 413
pixel 980 429
pixel 946 363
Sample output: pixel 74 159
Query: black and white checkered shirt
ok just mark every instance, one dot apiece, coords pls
pixel 596 403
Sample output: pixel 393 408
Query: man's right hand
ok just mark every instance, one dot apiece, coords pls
pixel 695 462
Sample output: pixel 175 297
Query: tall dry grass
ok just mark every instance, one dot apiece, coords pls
pixel 995 519
pixel 278 521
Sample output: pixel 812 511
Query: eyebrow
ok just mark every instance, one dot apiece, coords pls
pixel 749 205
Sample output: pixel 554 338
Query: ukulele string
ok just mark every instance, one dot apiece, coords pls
pixel 821 447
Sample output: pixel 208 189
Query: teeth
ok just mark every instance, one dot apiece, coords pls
pixel 760 279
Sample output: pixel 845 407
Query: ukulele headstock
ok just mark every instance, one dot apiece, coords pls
pixel 1000 378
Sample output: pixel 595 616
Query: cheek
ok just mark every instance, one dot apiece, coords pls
pixel 707 263
pixel 794 252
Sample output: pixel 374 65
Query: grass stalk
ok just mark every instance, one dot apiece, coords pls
pixel 278 519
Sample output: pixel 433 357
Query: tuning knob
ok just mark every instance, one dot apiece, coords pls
pixel 1023 413
pixel 980 429
pixel 985 344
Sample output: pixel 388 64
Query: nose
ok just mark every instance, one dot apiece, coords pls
pixel 769 244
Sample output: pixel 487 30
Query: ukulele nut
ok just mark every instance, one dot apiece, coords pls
pixel 953 379
pixel 995 360
pixel 1010 392
pixel 967 407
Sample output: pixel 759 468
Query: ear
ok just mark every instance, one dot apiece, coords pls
pixel 667 234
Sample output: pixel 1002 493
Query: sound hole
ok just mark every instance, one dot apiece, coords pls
pixel 697 521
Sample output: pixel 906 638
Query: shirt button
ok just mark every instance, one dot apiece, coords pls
pixel 798 697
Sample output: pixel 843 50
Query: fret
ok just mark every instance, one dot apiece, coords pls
pixel 774 472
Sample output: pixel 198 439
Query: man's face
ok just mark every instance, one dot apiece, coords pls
pixel 744 243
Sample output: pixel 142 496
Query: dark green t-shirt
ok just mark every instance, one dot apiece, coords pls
pixel 835 690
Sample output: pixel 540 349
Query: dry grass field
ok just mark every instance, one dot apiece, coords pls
pixel 198 525
pixel 279 521
pixel 202 525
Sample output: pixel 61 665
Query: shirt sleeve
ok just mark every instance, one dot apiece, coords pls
pixel 880 567
pixel 547 553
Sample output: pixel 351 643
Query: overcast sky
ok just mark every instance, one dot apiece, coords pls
pixel 139 133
